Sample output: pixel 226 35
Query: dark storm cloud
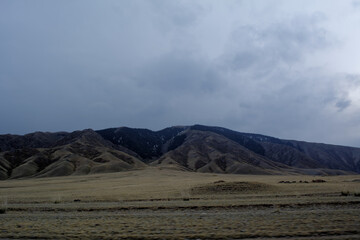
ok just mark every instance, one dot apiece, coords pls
pixel 179 74
pixel 67 65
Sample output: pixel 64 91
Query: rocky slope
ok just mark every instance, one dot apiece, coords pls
pixel 205 151
pixel 191 148
pixel 81 152
pixel 148 144
pixel 295 153
pixel 211 152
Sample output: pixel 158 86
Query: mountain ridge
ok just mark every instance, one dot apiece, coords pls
pixel 197 148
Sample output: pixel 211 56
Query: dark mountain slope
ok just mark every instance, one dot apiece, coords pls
pixel 194 148
pixel 148 144
pixel 289 156
pixel 32 140
pixel 204 151
pixel 331 156
pixel 238 137
pixel 294 153
pixel 306 154
pixel 81 152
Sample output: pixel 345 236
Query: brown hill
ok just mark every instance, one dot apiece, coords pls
pixel 191 148
pixel 295 153
pixel 289 156
pixel 330 156
pixel 210 152
pixel 82 152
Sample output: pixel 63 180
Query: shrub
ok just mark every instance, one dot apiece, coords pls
pixel 318 181
pixel 3 206
pixel 343 193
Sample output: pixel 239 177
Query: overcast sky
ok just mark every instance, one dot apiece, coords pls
pixel 289 69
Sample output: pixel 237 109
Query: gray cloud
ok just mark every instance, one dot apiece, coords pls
pixel 70 65
pixel 277 43
pixel 343 104
pixel 356 4
pixel 176 13
pixel 178 74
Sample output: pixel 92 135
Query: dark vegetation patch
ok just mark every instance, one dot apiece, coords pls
pixel 343 193
pixel 221 162
pixel 101 160
pixel 177 141
pixel 43 161
pixel 253 206
pixel 219 181
pixel 199 164
pixel 16 157
pixel 221 187
pixel 144 142
pixel 347 193
pixel 183 160
pixel 294 181
pixel 318 181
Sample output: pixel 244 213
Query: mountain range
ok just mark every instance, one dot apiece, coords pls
pixel 188 148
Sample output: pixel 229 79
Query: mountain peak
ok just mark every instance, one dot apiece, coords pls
pixel 197 148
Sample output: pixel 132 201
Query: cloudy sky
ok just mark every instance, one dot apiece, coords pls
pixel 289 69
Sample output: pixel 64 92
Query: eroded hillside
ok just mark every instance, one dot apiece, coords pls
pixel 189 148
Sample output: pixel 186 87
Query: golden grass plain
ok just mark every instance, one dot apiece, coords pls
pixel 161 203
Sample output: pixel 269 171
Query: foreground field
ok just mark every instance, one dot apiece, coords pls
pixel 165 204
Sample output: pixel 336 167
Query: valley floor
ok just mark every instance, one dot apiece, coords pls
pixel 165 204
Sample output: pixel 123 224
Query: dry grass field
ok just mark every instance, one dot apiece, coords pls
pixel 160 203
